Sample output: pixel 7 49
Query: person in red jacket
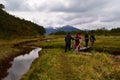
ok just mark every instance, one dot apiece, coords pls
pixel 77 41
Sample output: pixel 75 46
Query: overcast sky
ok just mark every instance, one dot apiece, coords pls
pixel 83 14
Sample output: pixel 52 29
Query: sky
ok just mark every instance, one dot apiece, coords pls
pixel 82 14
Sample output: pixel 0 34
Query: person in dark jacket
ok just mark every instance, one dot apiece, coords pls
pixel 86 39
pixel 68 39
pixel 92 39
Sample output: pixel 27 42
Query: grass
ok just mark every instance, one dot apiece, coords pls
pixel 54 64
pixel 5 51
pixel 108 44
pixel 6 46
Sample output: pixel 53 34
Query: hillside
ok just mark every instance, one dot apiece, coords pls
pixel 66 28
pixel 11 26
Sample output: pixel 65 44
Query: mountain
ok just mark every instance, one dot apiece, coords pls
pixel 66 28
pixel 50 30
pixel 11 26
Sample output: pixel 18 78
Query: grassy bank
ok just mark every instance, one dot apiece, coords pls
pixel 55 64
pixel 7 46
pixel 8 51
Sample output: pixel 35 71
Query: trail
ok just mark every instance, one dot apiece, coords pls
pixel 65 68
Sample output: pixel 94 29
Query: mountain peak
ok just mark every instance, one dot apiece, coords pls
pixel 66 28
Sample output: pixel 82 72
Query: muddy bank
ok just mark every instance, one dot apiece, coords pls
pixel 27 42
pixel 5 63
pixel 113 51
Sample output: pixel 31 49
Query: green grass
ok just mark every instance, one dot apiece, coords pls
pixel 110 44
pixel 7 49
pixel 54 64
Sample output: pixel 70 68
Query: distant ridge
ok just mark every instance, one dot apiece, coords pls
pixel 50 30
pixel 66 28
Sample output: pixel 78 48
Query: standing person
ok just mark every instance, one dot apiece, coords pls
pixel 68 39
pixel 86 39
pixel 92 39
pixel 77 41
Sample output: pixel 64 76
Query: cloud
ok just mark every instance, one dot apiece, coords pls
pixel 54 5
pixel 77 6
pixel 80 13
pixel 113 16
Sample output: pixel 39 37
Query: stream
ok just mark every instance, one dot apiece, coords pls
pixel 21 65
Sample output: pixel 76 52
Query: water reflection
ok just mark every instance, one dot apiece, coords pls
pixel 21 64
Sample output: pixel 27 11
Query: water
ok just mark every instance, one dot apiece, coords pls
pixel 21 64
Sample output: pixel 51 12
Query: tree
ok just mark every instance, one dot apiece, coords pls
pixel 2 6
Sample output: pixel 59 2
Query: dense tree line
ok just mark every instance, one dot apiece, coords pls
pixel 102 31
pixel 11 26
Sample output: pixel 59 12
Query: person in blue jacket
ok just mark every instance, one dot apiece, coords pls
pixel 68 39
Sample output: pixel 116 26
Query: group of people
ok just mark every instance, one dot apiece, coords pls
pixel 78 40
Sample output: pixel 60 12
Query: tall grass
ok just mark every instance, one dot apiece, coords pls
pixel 54 64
